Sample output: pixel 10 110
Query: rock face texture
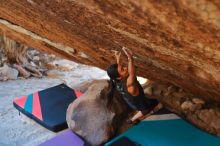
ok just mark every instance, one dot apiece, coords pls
pixel 94 117
pixel 173 41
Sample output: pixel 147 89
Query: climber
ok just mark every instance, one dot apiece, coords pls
pixel 124 80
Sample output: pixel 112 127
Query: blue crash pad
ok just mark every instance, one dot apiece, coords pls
pixel 165 133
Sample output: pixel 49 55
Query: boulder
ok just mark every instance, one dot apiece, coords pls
pixel 188 106
pixel 22 71
pixel 8 73
pixel 211 117
pixel 96 118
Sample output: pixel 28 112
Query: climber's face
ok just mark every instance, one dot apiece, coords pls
pixel 122 71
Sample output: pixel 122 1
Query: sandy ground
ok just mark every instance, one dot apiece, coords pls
pixel 18 130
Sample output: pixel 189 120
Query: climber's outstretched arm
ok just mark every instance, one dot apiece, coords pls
pixel 131 69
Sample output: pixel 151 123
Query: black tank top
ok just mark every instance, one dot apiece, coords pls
pixel 121 86
pixel 136 102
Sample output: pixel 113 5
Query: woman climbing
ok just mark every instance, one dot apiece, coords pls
pixel 125 81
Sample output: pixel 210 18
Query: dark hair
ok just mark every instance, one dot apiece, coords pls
pixel 112 72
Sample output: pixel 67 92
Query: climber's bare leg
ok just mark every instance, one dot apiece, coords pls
pixel 139 115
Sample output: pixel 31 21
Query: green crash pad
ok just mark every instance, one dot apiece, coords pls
pixel 165 133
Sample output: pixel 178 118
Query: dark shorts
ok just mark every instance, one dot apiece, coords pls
pixel 141 103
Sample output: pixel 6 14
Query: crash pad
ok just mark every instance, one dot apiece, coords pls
pixel 48 107
pixel 171 132
pixel 66 138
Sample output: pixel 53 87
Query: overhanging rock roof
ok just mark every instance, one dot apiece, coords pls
pixel 173 41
